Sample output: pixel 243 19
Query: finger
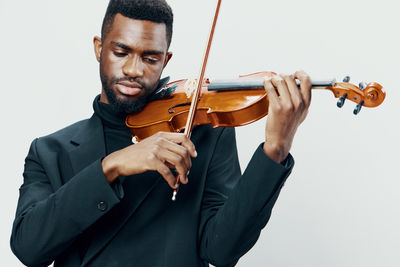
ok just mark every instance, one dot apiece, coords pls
pixel 165 172
pixel 182 139
pixel 188 144
pixel 305 86
pixel 178 149
pixel 273 97
pixel 281 88
pixel 296 96
pixel 177 162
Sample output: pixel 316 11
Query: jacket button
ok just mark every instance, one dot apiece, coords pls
pixel 102 206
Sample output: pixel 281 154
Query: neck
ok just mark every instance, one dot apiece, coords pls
pixel 251 84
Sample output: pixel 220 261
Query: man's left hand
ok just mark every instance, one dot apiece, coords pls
pixel 288 107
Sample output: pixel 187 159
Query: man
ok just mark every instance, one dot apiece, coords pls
pixel 92 198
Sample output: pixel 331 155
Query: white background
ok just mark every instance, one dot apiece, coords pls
pixel 340 206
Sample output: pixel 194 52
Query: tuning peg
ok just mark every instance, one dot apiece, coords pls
pixel 346 79
pixel 358 107
pixel 362 85
pixel 341 100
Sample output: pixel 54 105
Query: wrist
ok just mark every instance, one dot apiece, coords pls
pixel 110 169
pixel 276 152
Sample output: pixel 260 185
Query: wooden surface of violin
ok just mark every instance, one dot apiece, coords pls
pixel 231 103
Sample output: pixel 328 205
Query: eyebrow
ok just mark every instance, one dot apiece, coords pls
pixel 127 48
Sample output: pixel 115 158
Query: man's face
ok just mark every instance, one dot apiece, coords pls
pixel 132 57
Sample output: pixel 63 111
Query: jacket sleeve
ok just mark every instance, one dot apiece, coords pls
pixel 47 221
pixel 236 207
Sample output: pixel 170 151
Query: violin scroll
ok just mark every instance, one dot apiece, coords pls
pixel 370 95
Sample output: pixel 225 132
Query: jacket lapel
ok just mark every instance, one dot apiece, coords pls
pixel 89 145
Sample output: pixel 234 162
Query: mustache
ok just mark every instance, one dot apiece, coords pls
pixel 129 79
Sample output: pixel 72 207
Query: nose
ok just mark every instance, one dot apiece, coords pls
pixel 133 67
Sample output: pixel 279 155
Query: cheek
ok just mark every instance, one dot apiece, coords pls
pixel 154 78
pixel 112 67
pixel 155 72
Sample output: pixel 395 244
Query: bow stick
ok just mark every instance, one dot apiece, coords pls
pixel 196 94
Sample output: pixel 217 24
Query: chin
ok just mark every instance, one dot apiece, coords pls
pixel 128 99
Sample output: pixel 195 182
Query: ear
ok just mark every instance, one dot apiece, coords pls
pixel 97 47
pixel 167 58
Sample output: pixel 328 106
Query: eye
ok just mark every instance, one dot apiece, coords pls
pixel 120 54
pixel 150 60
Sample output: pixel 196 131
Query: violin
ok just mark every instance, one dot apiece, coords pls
pixel 231 103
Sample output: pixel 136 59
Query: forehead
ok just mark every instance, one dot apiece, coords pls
pixel 138 33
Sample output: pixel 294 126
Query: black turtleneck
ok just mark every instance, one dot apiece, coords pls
pixel 116 133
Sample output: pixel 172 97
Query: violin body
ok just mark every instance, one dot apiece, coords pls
pixel 218 108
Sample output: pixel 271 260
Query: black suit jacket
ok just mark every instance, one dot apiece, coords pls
pixel 68 213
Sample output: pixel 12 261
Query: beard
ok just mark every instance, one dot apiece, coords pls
pixel 119 105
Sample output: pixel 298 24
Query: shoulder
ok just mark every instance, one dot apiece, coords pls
pixel 67 131
pixel 64 136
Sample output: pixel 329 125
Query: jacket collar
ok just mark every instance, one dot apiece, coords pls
pixel 88 144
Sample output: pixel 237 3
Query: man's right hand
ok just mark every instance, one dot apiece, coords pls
pixel 160 152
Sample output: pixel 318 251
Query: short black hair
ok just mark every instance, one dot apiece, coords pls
pixel 153 10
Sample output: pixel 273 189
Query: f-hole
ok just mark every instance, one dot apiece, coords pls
pixel 171 109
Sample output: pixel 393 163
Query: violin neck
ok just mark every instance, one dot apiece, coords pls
pixel 254 84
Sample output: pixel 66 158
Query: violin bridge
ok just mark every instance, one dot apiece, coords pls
pixel 190 86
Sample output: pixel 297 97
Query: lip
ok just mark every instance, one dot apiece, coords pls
pixel 129 88
pixel 130 84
